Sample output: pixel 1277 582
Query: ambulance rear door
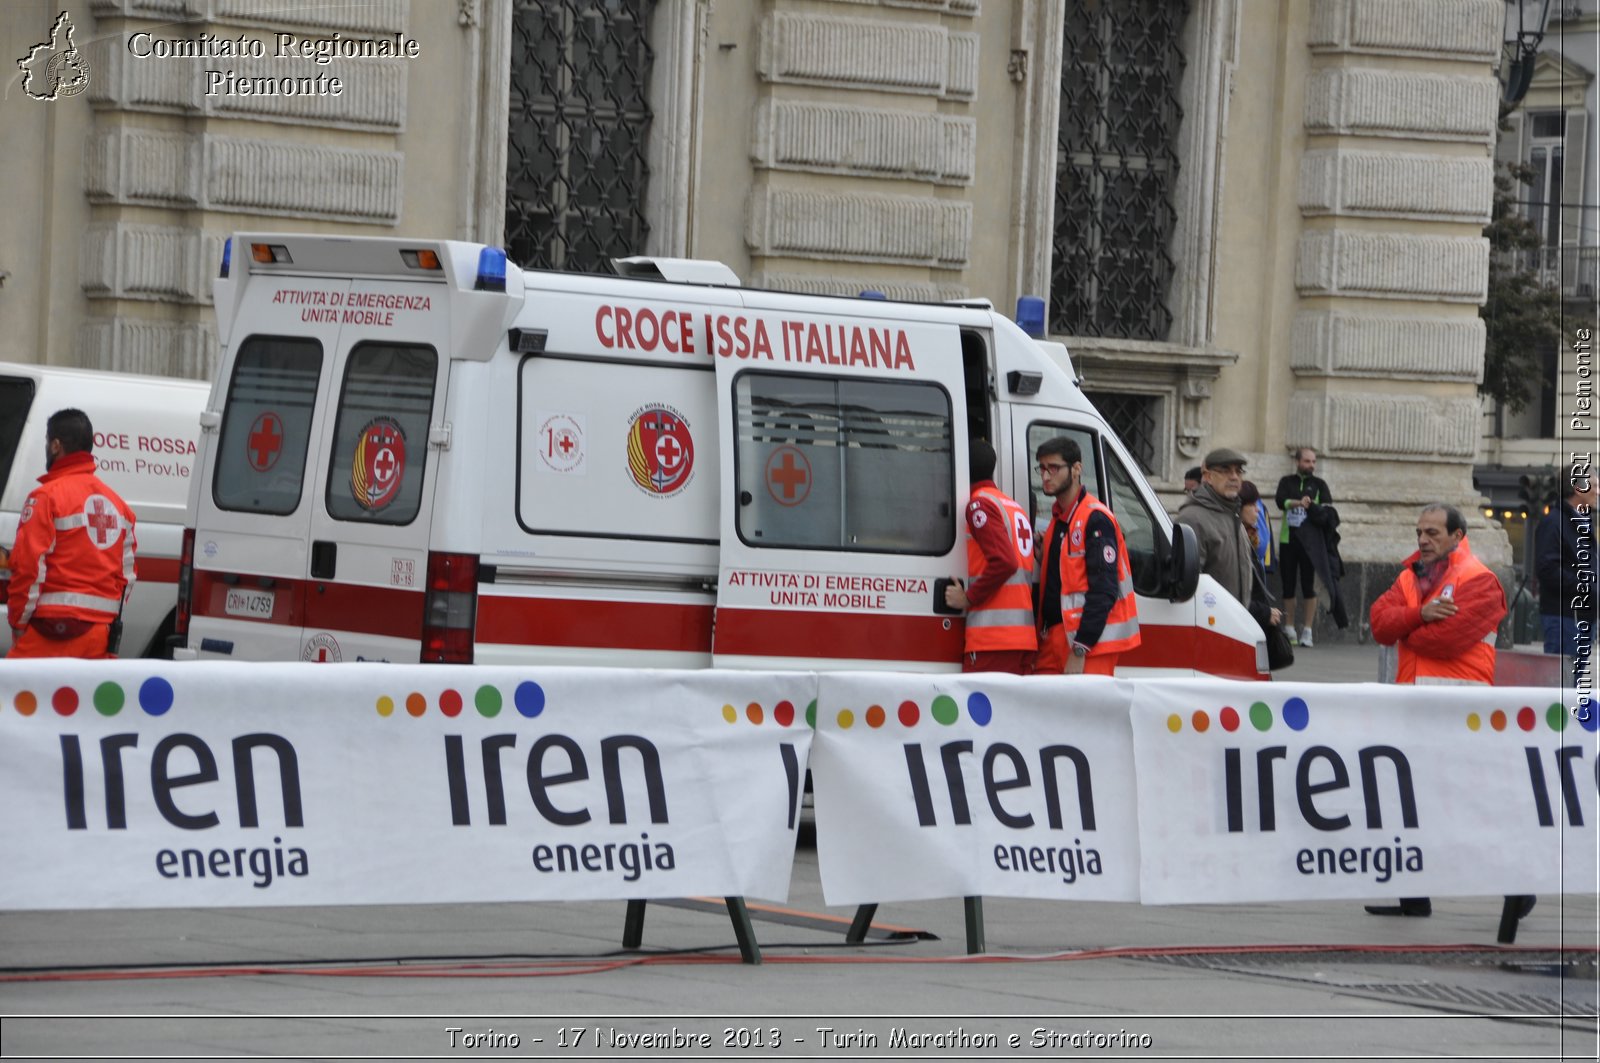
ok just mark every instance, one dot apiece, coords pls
pixel 844 473
pixel 257 473
pixel 371 509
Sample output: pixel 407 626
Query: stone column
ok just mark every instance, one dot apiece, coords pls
pixel 1387 346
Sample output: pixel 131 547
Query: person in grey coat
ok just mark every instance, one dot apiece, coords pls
pixel 1213 512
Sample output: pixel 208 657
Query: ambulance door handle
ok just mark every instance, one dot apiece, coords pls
pixel 745 498
pixel 324 559
pixel 939 606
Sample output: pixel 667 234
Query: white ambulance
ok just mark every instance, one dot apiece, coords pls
pixel 415 451
pixel 145 431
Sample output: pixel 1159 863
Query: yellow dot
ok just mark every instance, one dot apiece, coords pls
pixel 1174 723
pixel 847 719
pixel 386 706
pixel 730 714
pixel 1474 721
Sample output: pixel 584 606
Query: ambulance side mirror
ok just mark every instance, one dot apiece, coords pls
pixel 1183 564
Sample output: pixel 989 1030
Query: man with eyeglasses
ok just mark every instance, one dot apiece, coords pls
pixel 1088 613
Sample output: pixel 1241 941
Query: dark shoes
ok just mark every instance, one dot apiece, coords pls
pixel 1414 906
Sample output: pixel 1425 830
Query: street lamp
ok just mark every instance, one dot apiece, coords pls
pixel 1524 32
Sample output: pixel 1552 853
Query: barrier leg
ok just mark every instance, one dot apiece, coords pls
pixel 743 932
pixel 860 924
pixel 1516 906
pixel 633 925
pixel 974 908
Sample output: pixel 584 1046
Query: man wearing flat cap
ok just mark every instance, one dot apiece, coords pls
pixel 1213 512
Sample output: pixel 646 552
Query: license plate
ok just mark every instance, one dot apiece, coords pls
pixel 254 605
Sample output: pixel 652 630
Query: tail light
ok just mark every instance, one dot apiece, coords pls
pixel 450 610
pixel 180 624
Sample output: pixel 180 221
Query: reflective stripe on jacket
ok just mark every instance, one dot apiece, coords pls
pixel 1005 620
pixel 1121 632
pixel 75 545
pixel 1475 663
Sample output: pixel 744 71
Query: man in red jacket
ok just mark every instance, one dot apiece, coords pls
pixel 73 560
pixel 1442 614
pixel 998 596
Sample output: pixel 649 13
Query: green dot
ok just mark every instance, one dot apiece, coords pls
pixel 944 709
pixel 811 714
pixel 1556 716
pixel 1261 716
pixel 108 699
pixel 488 701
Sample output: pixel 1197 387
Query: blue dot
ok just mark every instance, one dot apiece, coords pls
pixel 155 695
pixel 1296 714
pixel 979 709
pixel 1588 713
pixel 529 699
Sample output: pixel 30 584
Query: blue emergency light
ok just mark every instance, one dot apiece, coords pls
pixel 227 256
pixel 1030 315
pixel 491 270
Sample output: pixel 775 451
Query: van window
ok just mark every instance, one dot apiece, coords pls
pixel 844 464
pixel 1038 433
pixel 380 439
pixel 266 429
pixel 16 398
pixel 1146 542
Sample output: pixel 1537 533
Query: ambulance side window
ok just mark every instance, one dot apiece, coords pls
pixel 1038 433
pixel 380 439
pixel 1145 541
pixel 16 398
pixel 844 464
pixel 266 426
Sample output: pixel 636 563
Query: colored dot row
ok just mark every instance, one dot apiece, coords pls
pixel 528 699
pixel 1296 714
pixel 154 697
pixel 1556 717
pixel 942 710
pixel 782 713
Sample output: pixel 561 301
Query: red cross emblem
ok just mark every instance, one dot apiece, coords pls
pixel 265 441
pixel 105 525
pixel 378 466
pixel 660 450
pixel 788 476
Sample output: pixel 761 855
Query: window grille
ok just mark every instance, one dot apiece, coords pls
pixel 579 121
pixel 1116 168
pixel 1136 419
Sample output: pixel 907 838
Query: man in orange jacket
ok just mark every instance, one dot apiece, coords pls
pixel 1442 614
pixel 73 559
pixel 998 596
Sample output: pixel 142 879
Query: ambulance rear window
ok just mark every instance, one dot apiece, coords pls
pixel 266 425
pixel 16 398
pixel 380 441
pixel 844 464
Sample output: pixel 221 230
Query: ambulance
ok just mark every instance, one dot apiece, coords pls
pixel 416 451
pixel 145 432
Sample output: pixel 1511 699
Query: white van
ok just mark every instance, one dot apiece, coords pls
pixel 145 432
pixel 415 451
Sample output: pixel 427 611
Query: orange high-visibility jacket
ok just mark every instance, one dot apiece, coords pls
pixel 1004 620
pixel 74 552
pixel 1121 632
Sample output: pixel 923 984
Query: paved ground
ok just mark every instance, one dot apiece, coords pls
pixel 1087 981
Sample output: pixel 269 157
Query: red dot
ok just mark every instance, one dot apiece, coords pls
pixel 909 714
pixel 783 713
pixel 1230 718
pixel 1497 720
pixel 1526 718
pixel 1200 721
pixel 450 703
pixel 416 704
pixel 876 716
pixel 64 701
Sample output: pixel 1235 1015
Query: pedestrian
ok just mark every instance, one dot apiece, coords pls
pixel 72 563
pixel 1191 480
pixel 1298 495
pixel 1564 560
pixel 1215 513
pixel 1087 612
pixel 1441 614
pixel 998 596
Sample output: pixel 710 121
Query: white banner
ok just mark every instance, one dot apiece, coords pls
pixel 981 785
pixel 136 784
pixel 1256 792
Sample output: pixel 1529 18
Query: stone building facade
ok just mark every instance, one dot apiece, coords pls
pixel 1258 223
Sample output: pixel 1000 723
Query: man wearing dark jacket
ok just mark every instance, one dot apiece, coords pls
pixel 1298 495
pixel 1564 559
pixel 1225 553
